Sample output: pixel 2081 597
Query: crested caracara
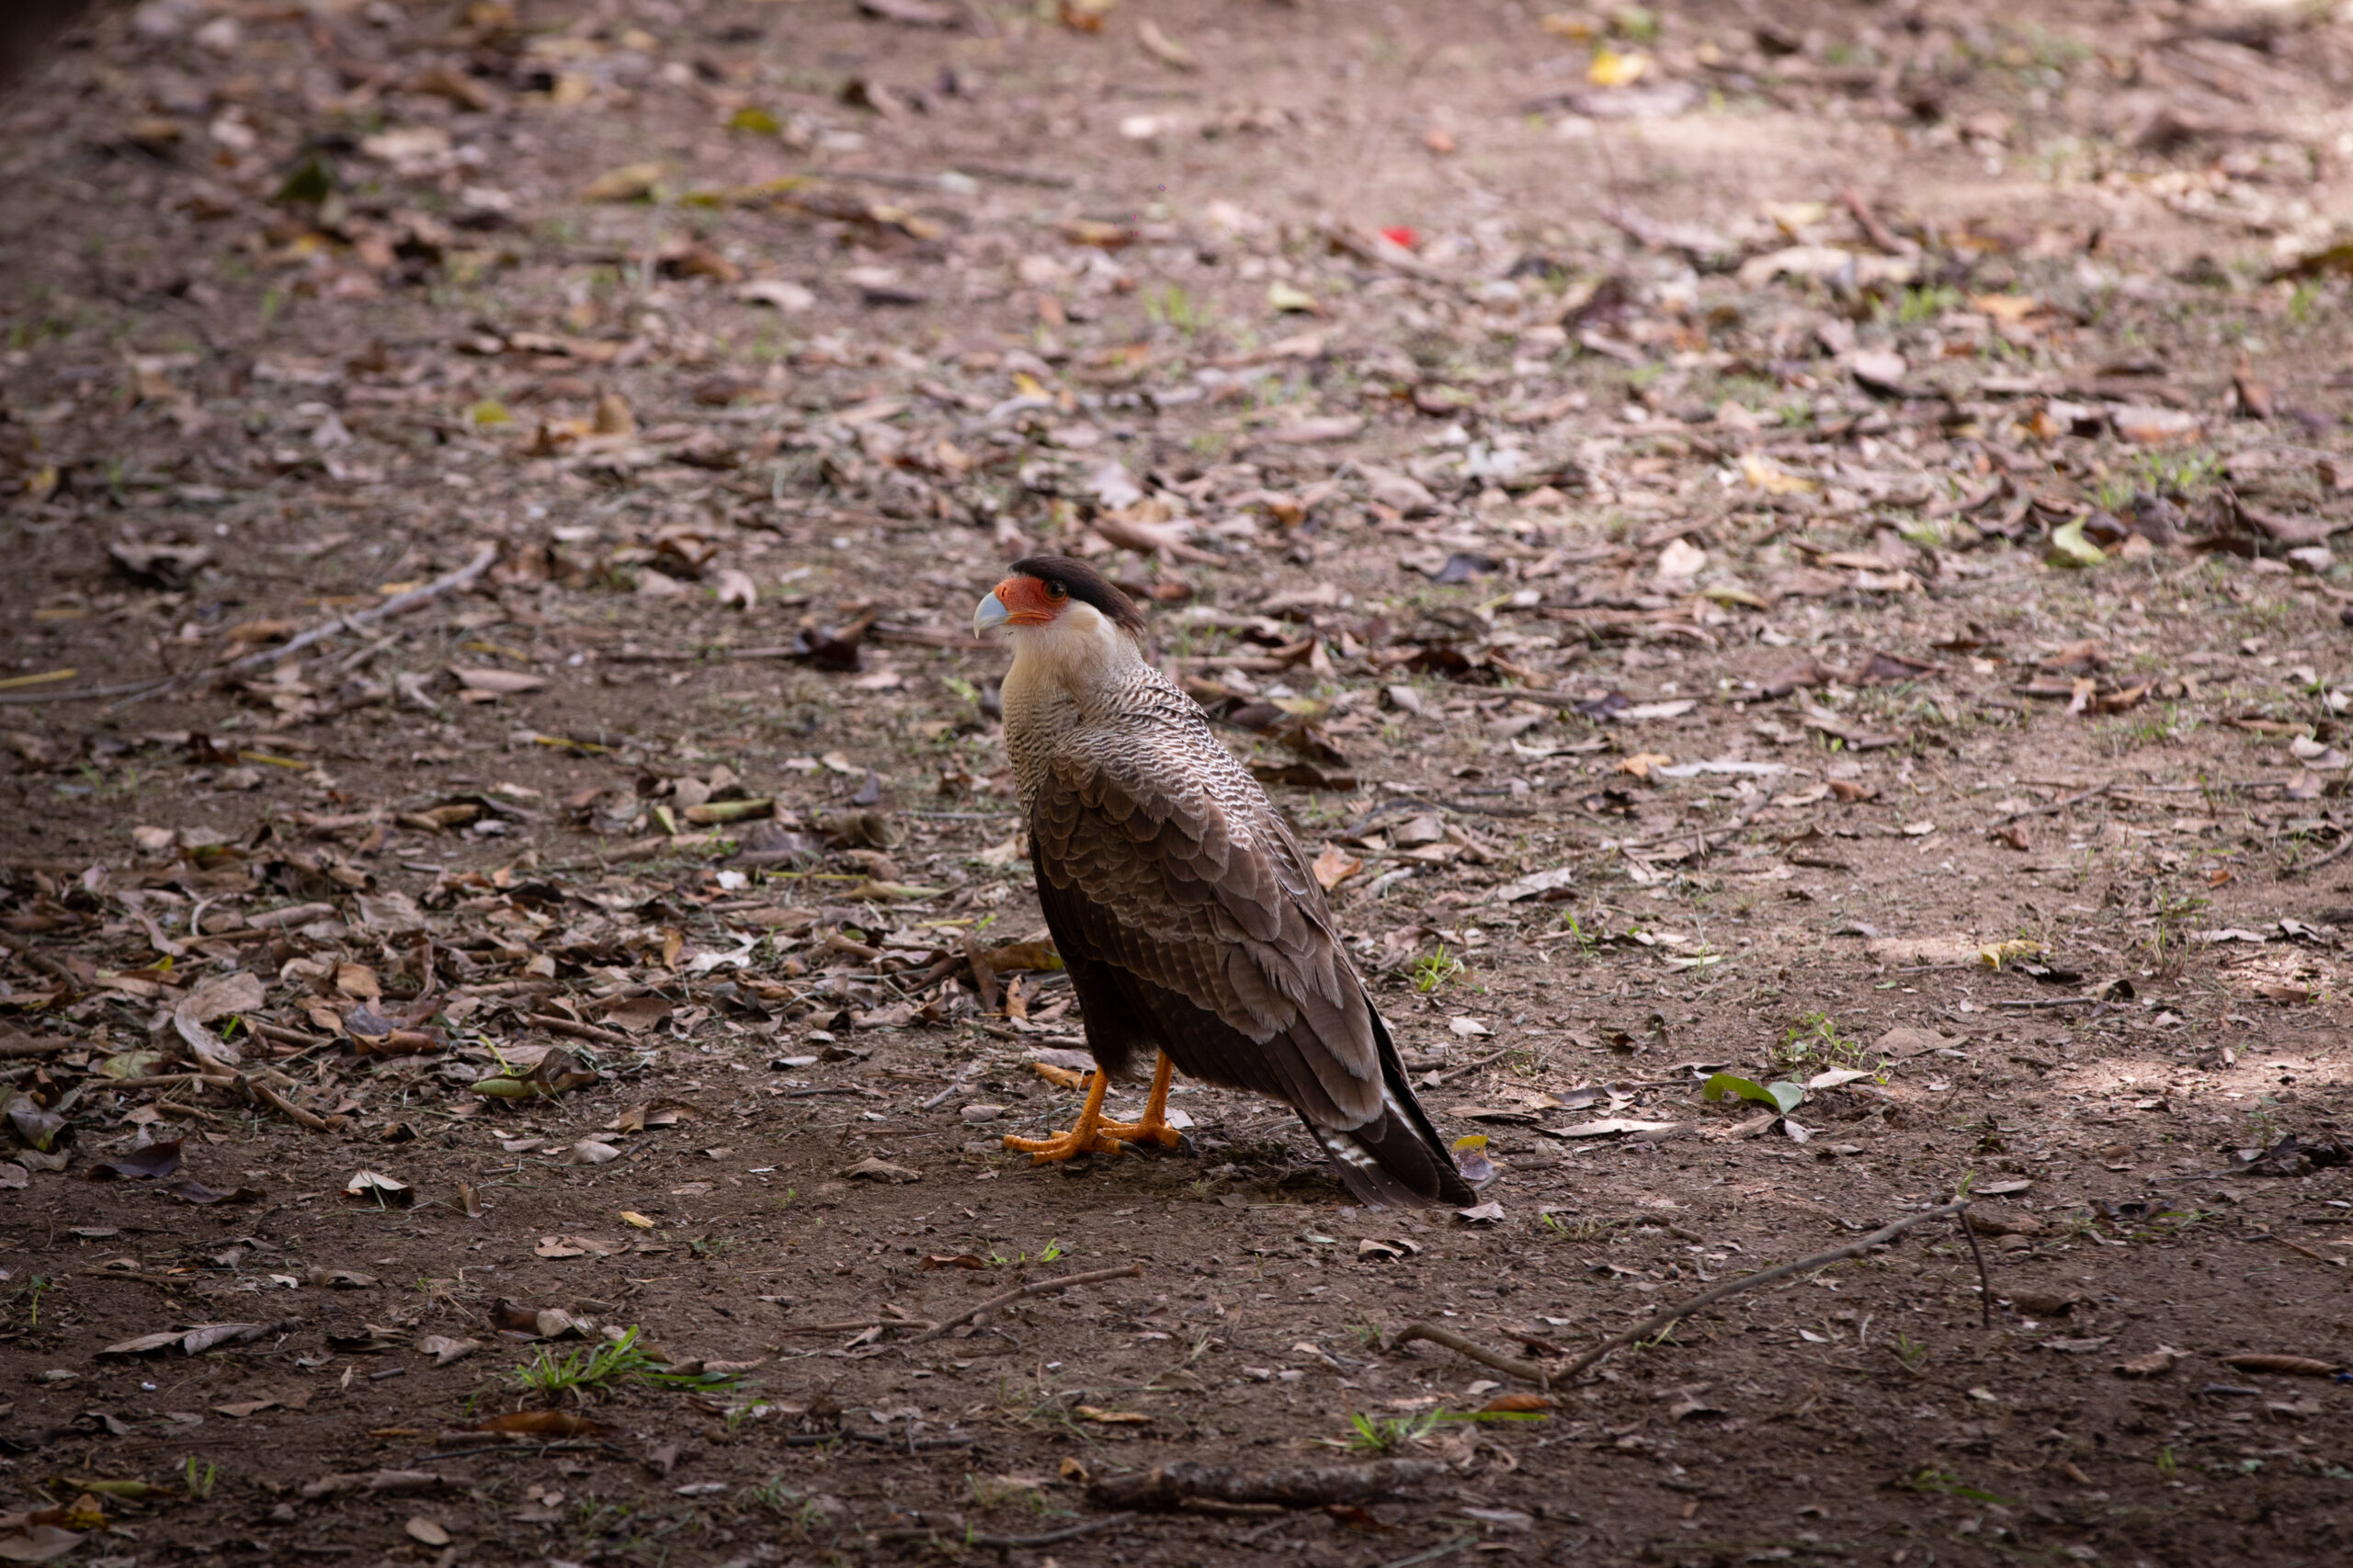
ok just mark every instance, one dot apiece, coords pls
pixel 1182 907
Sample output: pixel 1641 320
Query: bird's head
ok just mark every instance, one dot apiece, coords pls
pixel 1055 602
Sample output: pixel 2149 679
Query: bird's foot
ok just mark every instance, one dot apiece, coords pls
pixel 1151 1128
pixel 1086 1138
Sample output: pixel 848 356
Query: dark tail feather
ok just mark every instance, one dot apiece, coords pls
pixel 1397 1159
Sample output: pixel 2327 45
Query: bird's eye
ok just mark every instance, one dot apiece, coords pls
pixel 1057 592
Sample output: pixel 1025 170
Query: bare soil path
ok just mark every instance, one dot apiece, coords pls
pixel 1795 541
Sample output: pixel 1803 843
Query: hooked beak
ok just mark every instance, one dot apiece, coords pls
pixel 991 612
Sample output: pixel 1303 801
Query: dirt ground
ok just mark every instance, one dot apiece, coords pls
pixel 1790 540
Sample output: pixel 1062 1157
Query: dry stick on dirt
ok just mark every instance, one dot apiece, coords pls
pixel 292 1111
pixel 1007 1543
pixel 2309 867
pixel 1042 1287
pixel 399 604
pixel 1185 1485
pixel 555 1025
pixel 1478 1353
pixel 1435 1080
pixel 2061 804
pixel 1984 1280
pixel 1651 1324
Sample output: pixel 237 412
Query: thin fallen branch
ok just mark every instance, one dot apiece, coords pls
pixel 1651 1324
pixel 278 1034
pixel 1005 1542
pixel 1658 1321
pixel 1293 1486
pixel 1435 1080
pixel 30 1045
pixel 2061 804
pixel 1524 1370
pixel 1984 1280
pixel 292 1111
pixel 77 694
pixel 1873 230
pixel 2292 1246
pixel 2308 867
pixel 883 1439
pixel 399 604
pixel 1042 1287
pixel 555 1025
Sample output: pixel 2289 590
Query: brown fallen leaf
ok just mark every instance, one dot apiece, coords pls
pixel 32 1542
pixel 631 182
pixel 1335 865
pixel 871 1169
pixel 2155 1364
pixel 145 1162
pixel 376 1187
pixel 1516 1404
pixel 576 1246
pixel 192 1341
pixel 540 1424
pixel 246 1407
pixel 959 1260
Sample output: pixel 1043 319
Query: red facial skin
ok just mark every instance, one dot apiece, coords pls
pixel 1026 602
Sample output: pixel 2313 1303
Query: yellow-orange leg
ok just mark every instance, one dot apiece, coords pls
pixel 1155 1124
pixel 1085 1138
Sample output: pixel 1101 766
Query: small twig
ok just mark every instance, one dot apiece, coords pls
pixel 2343 844
pixel 2058 806
pixel 1879 233
pixel 555 1025
pixel 941 1098
pixel 2292 1246
pixel 1651 1325
pixel 856 1324
pixel 398 604
pixel 1435 1080
pixel 28 1045
pixel 166 1081
pixel 1007 1543
pixel 1042 1287
pixel 1435 1552
pixel 521 1451
pixel 1984 1280
pixel 1478 1353
pixel 278 1034
pixel 819 1439
pixel 292 1111
pixel 1658 1321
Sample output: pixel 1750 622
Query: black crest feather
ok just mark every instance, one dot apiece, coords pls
pixel 1087 585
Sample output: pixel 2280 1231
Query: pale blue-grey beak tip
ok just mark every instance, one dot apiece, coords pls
pixel 991 612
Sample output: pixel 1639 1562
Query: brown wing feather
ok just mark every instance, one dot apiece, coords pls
pixel 1151 880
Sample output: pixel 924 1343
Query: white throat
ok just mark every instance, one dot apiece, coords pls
pixel 1081 656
